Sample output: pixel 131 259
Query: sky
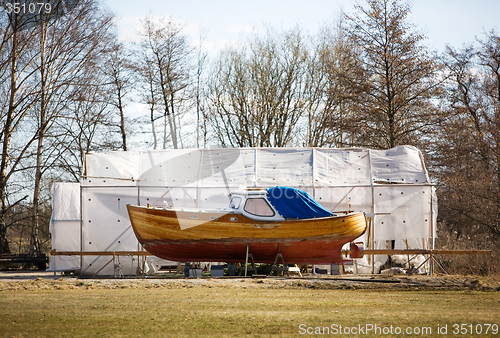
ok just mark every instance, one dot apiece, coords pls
pixel 453 22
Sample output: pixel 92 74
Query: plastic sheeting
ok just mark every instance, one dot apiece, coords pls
pixel 65 225
pixel 391 186
pixel 262 167
pixel 102 225
pixel 295 203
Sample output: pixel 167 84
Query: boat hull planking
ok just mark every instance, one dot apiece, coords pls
pixel 219 237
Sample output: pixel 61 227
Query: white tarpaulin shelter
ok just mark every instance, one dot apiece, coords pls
pixel 391 186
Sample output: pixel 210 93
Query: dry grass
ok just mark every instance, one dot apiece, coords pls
pixel 471 239
pixel 238 307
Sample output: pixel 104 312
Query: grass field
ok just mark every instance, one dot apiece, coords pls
pixel 243 307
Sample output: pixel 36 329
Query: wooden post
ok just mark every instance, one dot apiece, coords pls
pixel 246 261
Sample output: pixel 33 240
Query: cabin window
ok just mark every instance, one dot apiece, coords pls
pixel 235 202
pixel 259 207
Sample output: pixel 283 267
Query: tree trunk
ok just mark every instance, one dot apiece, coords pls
pixel 155 141
pixel 173 126
pixel 42 128
pixel 168 116
pixel 7 136
pixel 122 120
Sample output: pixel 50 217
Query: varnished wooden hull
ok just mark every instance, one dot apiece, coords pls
pixel 225 239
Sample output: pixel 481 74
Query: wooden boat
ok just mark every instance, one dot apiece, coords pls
pixel 253 219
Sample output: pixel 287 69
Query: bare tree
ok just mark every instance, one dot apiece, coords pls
pixel 86 129
pixel 200 115
pixel 149 94
pixel 164 61
pixel 117 67
pixel 334 89
pixel 468 151
pixel 257 93
pixel 397 106
pixel 46 58
pixel 67 44
pixel 18 55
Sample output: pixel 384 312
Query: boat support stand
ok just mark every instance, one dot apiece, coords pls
pixel 252 269
pixel 275 267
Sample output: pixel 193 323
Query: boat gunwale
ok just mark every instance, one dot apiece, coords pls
pixel 233 212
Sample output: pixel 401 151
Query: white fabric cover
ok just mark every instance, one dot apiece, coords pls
pixel 65 225
pixel 292 166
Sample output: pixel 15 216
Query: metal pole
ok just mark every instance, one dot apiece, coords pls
pixel 255 168
pixel 431 262
pixel 313 171
pixel 202 156
pixel 371 223
pixel 81 225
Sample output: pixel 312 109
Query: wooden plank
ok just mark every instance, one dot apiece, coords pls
pixel 426 252
pixel 100 253
pixel 367 252
pixel 461 252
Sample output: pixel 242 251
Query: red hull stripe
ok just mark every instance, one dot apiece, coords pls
pixel 299 252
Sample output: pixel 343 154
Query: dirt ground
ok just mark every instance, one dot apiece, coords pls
pixel 19 280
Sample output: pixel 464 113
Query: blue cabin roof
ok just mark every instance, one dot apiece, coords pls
pixel 295 203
